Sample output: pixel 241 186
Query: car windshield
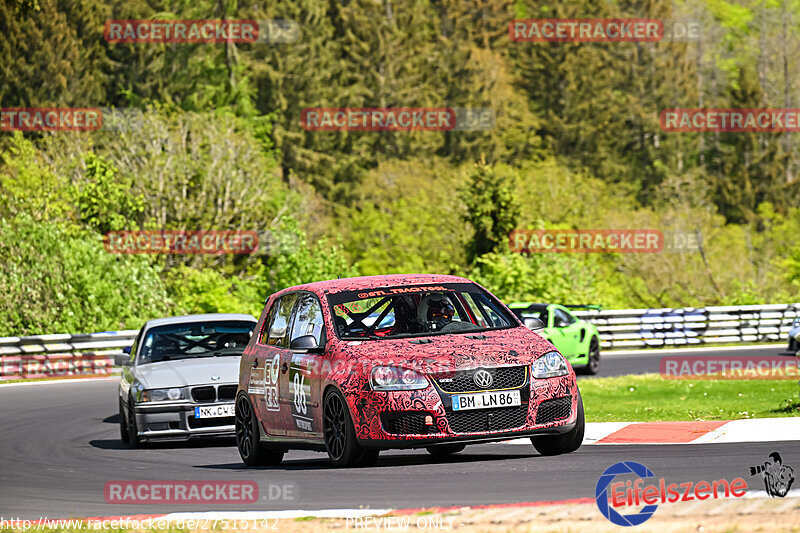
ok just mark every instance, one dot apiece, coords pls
pixel 195 339
pixel 541 314
pixel 393 312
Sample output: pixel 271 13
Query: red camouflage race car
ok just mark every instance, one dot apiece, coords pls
pixel 353 366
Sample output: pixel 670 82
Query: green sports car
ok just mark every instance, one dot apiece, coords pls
pixel 576 339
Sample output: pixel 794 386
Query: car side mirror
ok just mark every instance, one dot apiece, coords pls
pixel 122 359
pixel 533 324
pixel 306 343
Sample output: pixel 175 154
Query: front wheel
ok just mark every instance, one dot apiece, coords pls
pixel 134 440
pixel 340 436
pixel 565 443
pixel 248 437
pixel 593 358
pixel 123 424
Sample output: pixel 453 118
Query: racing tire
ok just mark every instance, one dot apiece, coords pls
pixel 592 358
pixel 134 440
pixel 339 434
pixel 445 450
pixel 565 443
pixel 123 424
pixel 248 438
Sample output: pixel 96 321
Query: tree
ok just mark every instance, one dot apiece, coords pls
pixel 492 209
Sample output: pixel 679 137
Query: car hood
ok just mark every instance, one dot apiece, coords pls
pixel 461 351
pixel 187 372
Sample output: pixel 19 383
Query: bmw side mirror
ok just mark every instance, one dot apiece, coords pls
pixel 306 343
pixel 122 359
pixel 533 324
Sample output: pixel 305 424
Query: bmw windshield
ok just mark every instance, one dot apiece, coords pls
pixel 395 312
pixel 195 339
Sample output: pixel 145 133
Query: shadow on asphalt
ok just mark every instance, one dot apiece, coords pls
pixel 387 461
pixel 116 444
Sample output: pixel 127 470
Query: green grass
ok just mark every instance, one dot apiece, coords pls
pixel 648 397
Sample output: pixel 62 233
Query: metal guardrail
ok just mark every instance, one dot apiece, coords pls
pixel 692 326
pixel 68 355
pixel 61 354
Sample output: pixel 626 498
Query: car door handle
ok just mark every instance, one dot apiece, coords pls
pixel 255 363
pixel 284 368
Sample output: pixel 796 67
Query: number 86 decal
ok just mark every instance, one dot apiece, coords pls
pixel 299 393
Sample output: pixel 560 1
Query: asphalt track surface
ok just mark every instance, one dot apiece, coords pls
pixel 59 446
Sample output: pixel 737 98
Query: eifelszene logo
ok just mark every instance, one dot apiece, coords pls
pixel 778 477
pixel 638 492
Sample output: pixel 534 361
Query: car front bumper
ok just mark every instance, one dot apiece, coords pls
pixel 176 421
pixel 419 418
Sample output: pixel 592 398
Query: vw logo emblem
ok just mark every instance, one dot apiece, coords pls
pixel 483 379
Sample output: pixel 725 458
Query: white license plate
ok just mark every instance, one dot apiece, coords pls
pixel 486 400
pixel 214 411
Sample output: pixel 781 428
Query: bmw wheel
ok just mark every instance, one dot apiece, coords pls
pixel 123 424
pixel 565 443
pixel 339 434
pixel 132 428
pixel 248 438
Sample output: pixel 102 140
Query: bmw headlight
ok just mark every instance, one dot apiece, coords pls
pixel 162 395
pixel 396 378
pixel 550 365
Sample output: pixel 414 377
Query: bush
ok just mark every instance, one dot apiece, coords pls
pixel 58 278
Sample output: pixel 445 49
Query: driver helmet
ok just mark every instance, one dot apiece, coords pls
pixel 440 310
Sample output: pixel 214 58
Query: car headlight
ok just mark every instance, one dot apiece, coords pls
pixel 162 395
pixel 550 365
pixel 395 378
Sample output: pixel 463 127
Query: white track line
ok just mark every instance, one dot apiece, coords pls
pixel 267 515
pixel 754 430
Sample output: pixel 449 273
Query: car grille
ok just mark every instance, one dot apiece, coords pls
pixel 204 394
pixel 405 423
pixel 480 420
pixel 209 393
pixel 509 377
pixel 227 392
pixel 555 409
pixel 198 423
